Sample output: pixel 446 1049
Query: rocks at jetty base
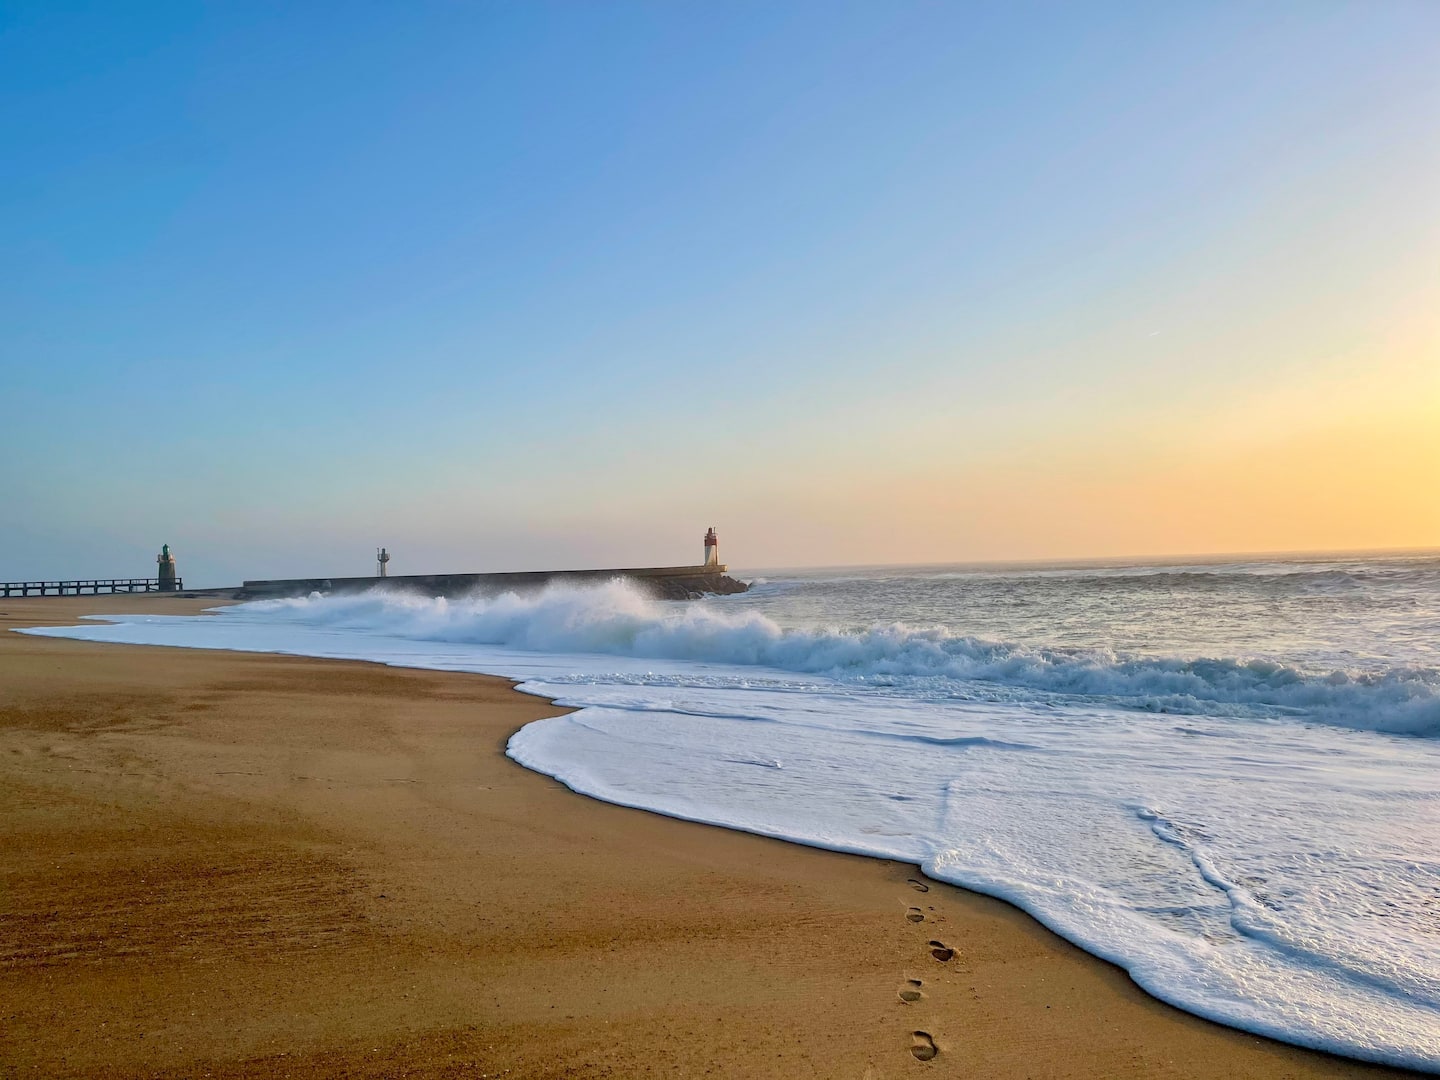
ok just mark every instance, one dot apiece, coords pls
pixel 692 588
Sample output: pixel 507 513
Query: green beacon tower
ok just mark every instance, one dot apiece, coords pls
pixel 167 569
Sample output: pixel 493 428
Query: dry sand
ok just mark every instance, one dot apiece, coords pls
pixel 219 864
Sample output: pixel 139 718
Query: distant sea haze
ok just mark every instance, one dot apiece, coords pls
pixel 1224 777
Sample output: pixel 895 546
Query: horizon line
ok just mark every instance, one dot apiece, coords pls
pixel 1213 556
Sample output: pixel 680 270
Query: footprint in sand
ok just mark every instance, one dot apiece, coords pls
pixel 918 886
pixel 924 1048
pixel 910 992
pixel 940 951
pixel 915 915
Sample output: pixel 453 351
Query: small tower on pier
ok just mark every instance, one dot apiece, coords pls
pixel 382 562
pixel 712 548
pixel 168 581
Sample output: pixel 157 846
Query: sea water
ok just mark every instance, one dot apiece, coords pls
pixel 1224 777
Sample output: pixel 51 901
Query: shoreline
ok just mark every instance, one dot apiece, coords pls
pixel 349 814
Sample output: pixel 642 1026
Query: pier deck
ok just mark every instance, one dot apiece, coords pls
pixel 86 587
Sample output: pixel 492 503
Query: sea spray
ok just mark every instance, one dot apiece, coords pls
pixel 617 619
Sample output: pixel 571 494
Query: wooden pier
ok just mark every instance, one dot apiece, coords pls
pixel 89 587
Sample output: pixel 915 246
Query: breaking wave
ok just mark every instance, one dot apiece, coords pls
pixel 616 619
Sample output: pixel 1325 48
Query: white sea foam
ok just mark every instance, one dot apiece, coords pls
pixel 1265 856
pixel 617 619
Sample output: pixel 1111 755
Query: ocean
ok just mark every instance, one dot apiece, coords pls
pixel 1223 776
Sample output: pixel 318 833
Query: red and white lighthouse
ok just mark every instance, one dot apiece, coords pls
pixel 712 548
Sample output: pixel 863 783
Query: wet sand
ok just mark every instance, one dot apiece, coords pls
pixel 233 865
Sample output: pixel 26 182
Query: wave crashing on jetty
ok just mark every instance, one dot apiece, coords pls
pixel 617 618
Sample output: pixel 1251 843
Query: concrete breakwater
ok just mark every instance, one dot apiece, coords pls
pixel 662 582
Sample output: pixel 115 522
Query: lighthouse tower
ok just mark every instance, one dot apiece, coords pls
pixel 168 581
pixel 712 548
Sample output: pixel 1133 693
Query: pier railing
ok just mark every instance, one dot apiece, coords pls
pixel 89 587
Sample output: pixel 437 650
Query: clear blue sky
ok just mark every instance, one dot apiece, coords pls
pixel 508 285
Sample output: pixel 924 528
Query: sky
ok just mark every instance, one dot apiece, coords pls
pixel 507 285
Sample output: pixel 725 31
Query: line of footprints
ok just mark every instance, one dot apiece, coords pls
pixel 922 1042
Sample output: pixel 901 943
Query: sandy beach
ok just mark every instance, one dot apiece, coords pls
pixel 235 865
